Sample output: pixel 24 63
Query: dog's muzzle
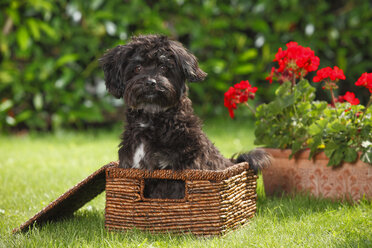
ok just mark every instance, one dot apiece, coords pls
pixel 151 82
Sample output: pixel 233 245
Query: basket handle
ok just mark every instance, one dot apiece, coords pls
pixel 159 190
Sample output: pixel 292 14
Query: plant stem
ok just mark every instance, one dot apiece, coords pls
pixel 333 97
pixel 293 82
pixel 333 101
pixel 250 108
pixel 7 26
pixel 295 111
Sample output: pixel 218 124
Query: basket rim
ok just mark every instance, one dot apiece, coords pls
pixel 187 174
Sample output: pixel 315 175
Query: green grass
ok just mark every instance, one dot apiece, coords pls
pixel 35 169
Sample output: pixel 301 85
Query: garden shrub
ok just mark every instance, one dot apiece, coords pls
pixel 49 75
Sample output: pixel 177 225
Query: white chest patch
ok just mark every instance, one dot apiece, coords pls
pixel 144 124
pixel 138 156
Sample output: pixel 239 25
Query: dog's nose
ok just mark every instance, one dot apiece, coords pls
pixel 151 82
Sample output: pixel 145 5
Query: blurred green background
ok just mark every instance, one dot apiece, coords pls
pixel 50 79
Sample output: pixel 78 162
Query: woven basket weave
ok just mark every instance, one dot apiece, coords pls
pixel 73 199
pixel 214 202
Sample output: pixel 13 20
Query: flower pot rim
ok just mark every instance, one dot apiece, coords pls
pixel 303 154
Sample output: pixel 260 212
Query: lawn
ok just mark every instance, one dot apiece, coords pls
pixel 36 168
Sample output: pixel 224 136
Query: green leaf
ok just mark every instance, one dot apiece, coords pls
pixel 23 116
pixel 330 148
pixel 317 127
pixel 288 101
pixel 42 5
pixel 23 38
pixel 67 58
pixel 14 15
pixel 350 155
pixel 297 146
pixel 317 141
pixel 95 4
pixel 6 105
pixel 248 54
pixel 260 25
pixel 6 77
pixel 49 30
pixel 367 156
pixel 34 28
pixel 218 65
pixel 245 69
pixel 274 108
pixel 38 101
pixel 336 158
pixel 283 89
pixel 336 126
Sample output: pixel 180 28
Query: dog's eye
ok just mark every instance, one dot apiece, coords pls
pixel 163 68
pixel 138 69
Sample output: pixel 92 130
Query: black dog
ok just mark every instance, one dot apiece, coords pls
pixel 162 131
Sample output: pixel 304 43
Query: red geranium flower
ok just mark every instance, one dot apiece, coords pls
pixel 365 80
pixel 240 93
pixel 246 91
pixel 270 77
pixel 295 61
pixel 333 74
pixel 230 100
pixel 350 97
pixel 340 99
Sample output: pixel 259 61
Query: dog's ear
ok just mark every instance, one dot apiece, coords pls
pixel 188 63
pixel 113 63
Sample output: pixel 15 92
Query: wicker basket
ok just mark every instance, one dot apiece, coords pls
pixel 214 202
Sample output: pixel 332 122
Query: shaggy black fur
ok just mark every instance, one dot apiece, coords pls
pixel 161 131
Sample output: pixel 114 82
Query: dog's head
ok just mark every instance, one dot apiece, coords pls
pixel 150 72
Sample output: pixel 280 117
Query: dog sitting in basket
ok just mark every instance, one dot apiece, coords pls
pixel 162 131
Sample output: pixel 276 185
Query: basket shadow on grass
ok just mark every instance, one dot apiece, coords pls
pixel 88 227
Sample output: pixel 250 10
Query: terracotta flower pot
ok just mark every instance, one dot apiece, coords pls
pixel 299 174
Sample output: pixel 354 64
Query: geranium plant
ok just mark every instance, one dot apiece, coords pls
pixel 295 120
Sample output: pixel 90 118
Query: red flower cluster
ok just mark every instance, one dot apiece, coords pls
pixel 333 74
pixel 349 97
pixel 296 62
pixel 240 93
pixel 365 80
